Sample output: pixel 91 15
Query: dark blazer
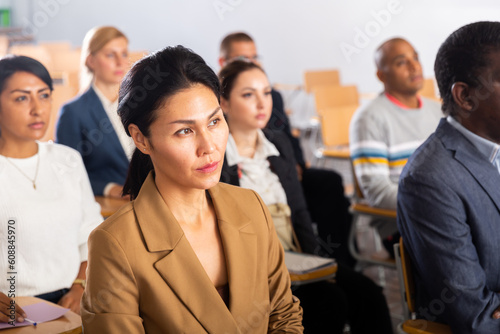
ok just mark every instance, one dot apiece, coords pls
pixel 84 126
pixel 279 121
pixel 284 167
pixel 449 217
pixel 144 277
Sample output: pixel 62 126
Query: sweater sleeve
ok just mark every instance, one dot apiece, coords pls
pixel 370 157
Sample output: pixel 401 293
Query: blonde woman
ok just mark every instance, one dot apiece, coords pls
pixel 90 123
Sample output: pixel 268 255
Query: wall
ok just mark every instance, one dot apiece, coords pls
pixel 292 35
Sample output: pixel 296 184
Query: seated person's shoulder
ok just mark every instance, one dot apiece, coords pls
pixel 275 135
pixel 429 158
pixel 432 106
pixel 280 140
pixel 375 111
pixel 121 223
pixel 235 195
pixel 62 153
pixel 243 200
pixel 74 106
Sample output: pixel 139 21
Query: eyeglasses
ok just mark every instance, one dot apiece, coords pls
pixel 253 59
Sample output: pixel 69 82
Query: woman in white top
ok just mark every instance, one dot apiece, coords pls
pixel 47 209
pixel 90 123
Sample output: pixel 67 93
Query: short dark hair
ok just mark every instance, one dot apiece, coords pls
pixel 146 87
pixel 11 64
pixel 462 56
pixel 227 42
pixel 230 73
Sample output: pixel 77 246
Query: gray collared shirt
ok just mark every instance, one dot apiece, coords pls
pixel 488 148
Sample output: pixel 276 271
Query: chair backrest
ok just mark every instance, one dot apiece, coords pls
pixel 429 89
pixel 335 125
pixel 335 96
pixel 134 56
pixel 407 270
pixel 320 78
pixel 56 46
pixel 67 60
pixel 34 51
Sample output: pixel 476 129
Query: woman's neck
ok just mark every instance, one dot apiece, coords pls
pixel 246 141
pixel 18 150
pixel 109 90
pixel 188 207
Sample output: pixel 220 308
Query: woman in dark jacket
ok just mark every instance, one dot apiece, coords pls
pixel 263 161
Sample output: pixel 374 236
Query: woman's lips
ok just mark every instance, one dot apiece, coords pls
pixel 209 168
pixel 37 125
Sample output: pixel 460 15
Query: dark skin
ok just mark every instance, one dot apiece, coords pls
pixel 4 310
pixel 477 108
pixel 398 67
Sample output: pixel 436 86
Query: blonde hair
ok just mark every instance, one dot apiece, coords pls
pixel 95 39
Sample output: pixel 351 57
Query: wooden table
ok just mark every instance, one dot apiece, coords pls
pixel 110 205
pixel 69 323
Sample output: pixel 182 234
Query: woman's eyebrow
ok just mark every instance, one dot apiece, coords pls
pixel 189 121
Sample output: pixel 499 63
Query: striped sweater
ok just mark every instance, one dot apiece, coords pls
pixel 382 137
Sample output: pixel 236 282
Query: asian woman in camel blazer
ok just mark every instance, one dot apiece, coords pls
pixel 150 280
pixel 150 269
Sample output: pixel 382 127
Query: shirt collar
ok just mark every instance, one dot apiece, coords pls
pixel 104 100
pixel 399 104
pixel 488 148
pixel 265 149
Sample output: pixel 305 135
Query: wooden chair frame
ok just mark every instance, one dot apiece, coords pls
pixel 410 324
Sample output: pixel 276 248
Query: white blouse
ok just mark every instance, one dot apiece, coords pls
pixel 111 109
pixel 48 226
pixel 256 173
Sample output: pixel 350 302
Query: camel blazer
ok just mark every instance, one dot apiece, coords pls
pixel 144 277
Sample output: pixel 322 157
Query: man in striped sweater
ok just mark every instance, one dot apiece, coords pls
pixel 386 132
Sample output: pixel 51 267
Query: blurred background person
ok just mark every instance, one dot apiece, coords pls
pixel 90 123
pixel 262 160
pixel 323 189
pixel 384 134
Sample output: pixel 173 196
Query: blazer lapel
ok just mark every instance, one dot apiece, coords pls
pixel 180 267
pixel 480 168
pixel 102 120
pixel 240 247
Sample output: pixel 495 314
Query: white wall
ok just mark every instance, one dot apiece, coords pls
pixel 292 35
